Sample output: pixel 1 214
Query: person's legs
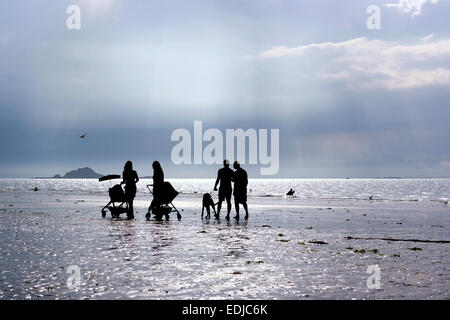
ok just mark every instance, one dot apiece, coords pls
pixel 246 210
pixel 147 215
pixel 221 199
pixel 228 198
pixel 219 206
pixel 153 206
pixel 130 214
pixel 236 206
pixel 228 207
pixel 213 206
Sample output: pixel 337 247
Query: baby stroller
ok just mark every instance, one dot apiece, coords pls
pixel 118 203
pixel 164 205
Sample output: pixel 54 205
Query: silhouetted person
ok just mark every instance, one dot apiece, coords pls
pixel 224 176
pixel 240 180
pixel 130 178
pixel 290 192
pixel 158 181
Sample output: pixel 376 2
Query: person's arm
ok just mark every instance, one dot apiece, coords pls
pixel 217 182
pixel 246 179
pixel 123 178
pixel 137 178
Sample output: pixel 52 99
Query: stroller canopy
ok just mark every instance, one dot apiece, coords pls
pixel 168 193
pixel 109 177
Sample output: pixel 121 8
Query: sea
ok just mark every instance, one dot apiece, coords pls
pixel 358 189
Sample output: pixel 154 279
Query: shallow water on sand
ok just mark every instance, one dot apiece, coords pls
pixel 268 257
pixel 332 189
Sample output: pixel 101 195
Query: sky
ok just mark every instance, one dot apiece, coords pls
pixel 348 101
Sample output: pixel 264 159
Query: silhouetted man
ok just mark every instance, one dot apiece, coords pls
pixel 240 180
pixel 224 176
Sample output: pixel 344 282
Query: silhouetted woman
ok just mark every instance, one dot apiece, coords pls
pixel 158 181
pixel 130 178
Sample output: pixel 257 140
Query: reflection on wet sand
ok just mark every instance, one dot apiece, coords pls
pixel 232 242
pixel 286 250
pixel 161 235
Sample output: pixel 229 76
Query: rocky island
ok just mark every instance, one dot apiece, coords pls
pixel 81 173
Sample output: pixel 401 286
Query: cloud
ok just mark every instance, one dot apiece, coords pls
pixel 418 78
pixel 376 63
pixel 445 164
pixel 412 7
pixel 281 51
pixel 427 38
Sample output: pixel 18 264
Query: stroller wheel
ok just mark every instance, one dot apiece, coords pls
pixel 147 215
pixel 103 213
pixel 178 216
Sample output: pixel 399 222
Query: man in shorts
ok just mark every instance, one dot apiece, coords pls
pixel 240 180
pixel 224 176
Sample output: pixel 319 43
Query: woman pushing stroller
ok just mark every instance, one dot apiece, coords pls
pixel 158 182
pixel 130 178
pixel 163 195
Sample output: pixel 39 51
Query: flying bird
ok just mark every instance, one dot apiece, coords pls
pixel 83 136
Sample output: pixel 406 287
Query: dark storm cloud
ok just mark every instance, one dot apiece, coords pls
pixel 137 70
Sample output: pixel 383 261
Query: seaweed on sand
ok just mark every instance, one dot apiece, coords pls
pixel 255 262
pixel 364 251
pixel 394 239
pixel 317 242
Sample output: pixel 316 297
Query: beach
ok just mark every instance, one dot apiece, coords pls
pixel 316 245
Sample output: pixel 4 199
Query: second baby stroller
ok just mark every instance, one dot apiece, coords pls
pixel 163 206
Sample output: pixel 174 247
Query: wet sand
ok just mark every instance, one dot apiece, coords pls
pixel 289 249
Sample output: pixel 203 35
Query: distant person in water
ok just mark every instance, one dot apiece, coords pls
pixel 158 181
pixel 290 192
pixel 240 180
pixel 130 178
pixel 224 176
